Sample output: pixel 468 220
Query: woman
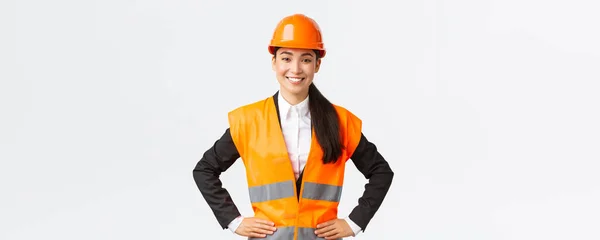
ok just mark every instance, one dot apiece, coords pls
pixel 294 146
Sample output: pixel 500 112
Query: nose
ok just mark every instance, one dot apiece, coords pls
pixel 295 67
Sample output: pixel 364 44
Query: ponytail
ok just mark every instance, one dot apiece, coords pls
pixel 325 121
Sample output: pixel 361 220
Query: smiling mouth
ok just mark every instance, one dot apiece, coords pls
pixel 294 79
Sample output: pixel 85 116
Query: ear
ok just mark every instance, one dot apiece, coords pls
pixel 318 65
pixel 273 63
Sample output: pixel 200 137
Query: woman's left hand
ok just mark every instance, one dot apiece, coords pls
pixel 334 229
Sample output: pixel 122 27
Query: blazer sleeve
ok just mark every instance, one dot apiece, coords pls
pixel 376 169
pixel 217 159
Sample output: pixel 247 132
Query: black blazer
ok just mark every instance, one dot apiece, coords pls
pixel 223 154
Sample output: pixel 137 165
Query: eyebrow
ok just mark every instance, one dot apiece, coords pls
pixel 304 54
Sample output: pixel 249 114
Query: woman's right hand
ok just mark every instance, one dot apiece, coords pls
pixel 255 227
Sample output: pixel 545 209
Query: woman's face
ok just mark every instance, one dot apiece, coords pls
pixel 295 69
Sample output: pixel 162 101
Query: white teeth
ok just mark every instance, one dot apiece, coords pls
pixel 295 79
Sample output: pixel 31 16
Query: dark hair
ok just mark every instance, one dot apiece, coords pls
pixel 325 121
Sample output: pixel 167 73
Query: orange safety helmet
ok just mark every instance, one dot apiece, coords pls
pixel 297 31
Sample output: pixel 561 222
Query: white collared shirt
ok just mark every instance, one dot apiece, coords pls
pixel 296 128
pixel 295 125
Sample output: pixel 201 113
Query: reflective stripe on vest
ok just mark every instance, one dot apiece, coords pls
pixel 271 191
pixel 314 191
pixel 325 192
pixel 272 187
pixel 282 233
pixel 287 233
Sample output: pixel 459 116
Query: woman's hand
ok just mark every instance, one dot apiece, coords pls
pixel 334 229
pixel 255 227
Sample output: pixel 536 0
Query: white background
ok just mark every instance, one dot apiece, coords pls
pixel 488 112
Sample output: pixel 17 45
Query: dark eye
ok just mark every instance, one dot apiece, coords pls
pixel 306 60
pixel 285 59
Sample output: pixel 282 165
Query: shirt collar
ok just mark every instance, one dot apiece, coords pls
pixel 285 107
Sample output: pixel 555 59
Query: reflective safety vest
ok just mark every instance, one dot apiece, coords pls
pixel 257 135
